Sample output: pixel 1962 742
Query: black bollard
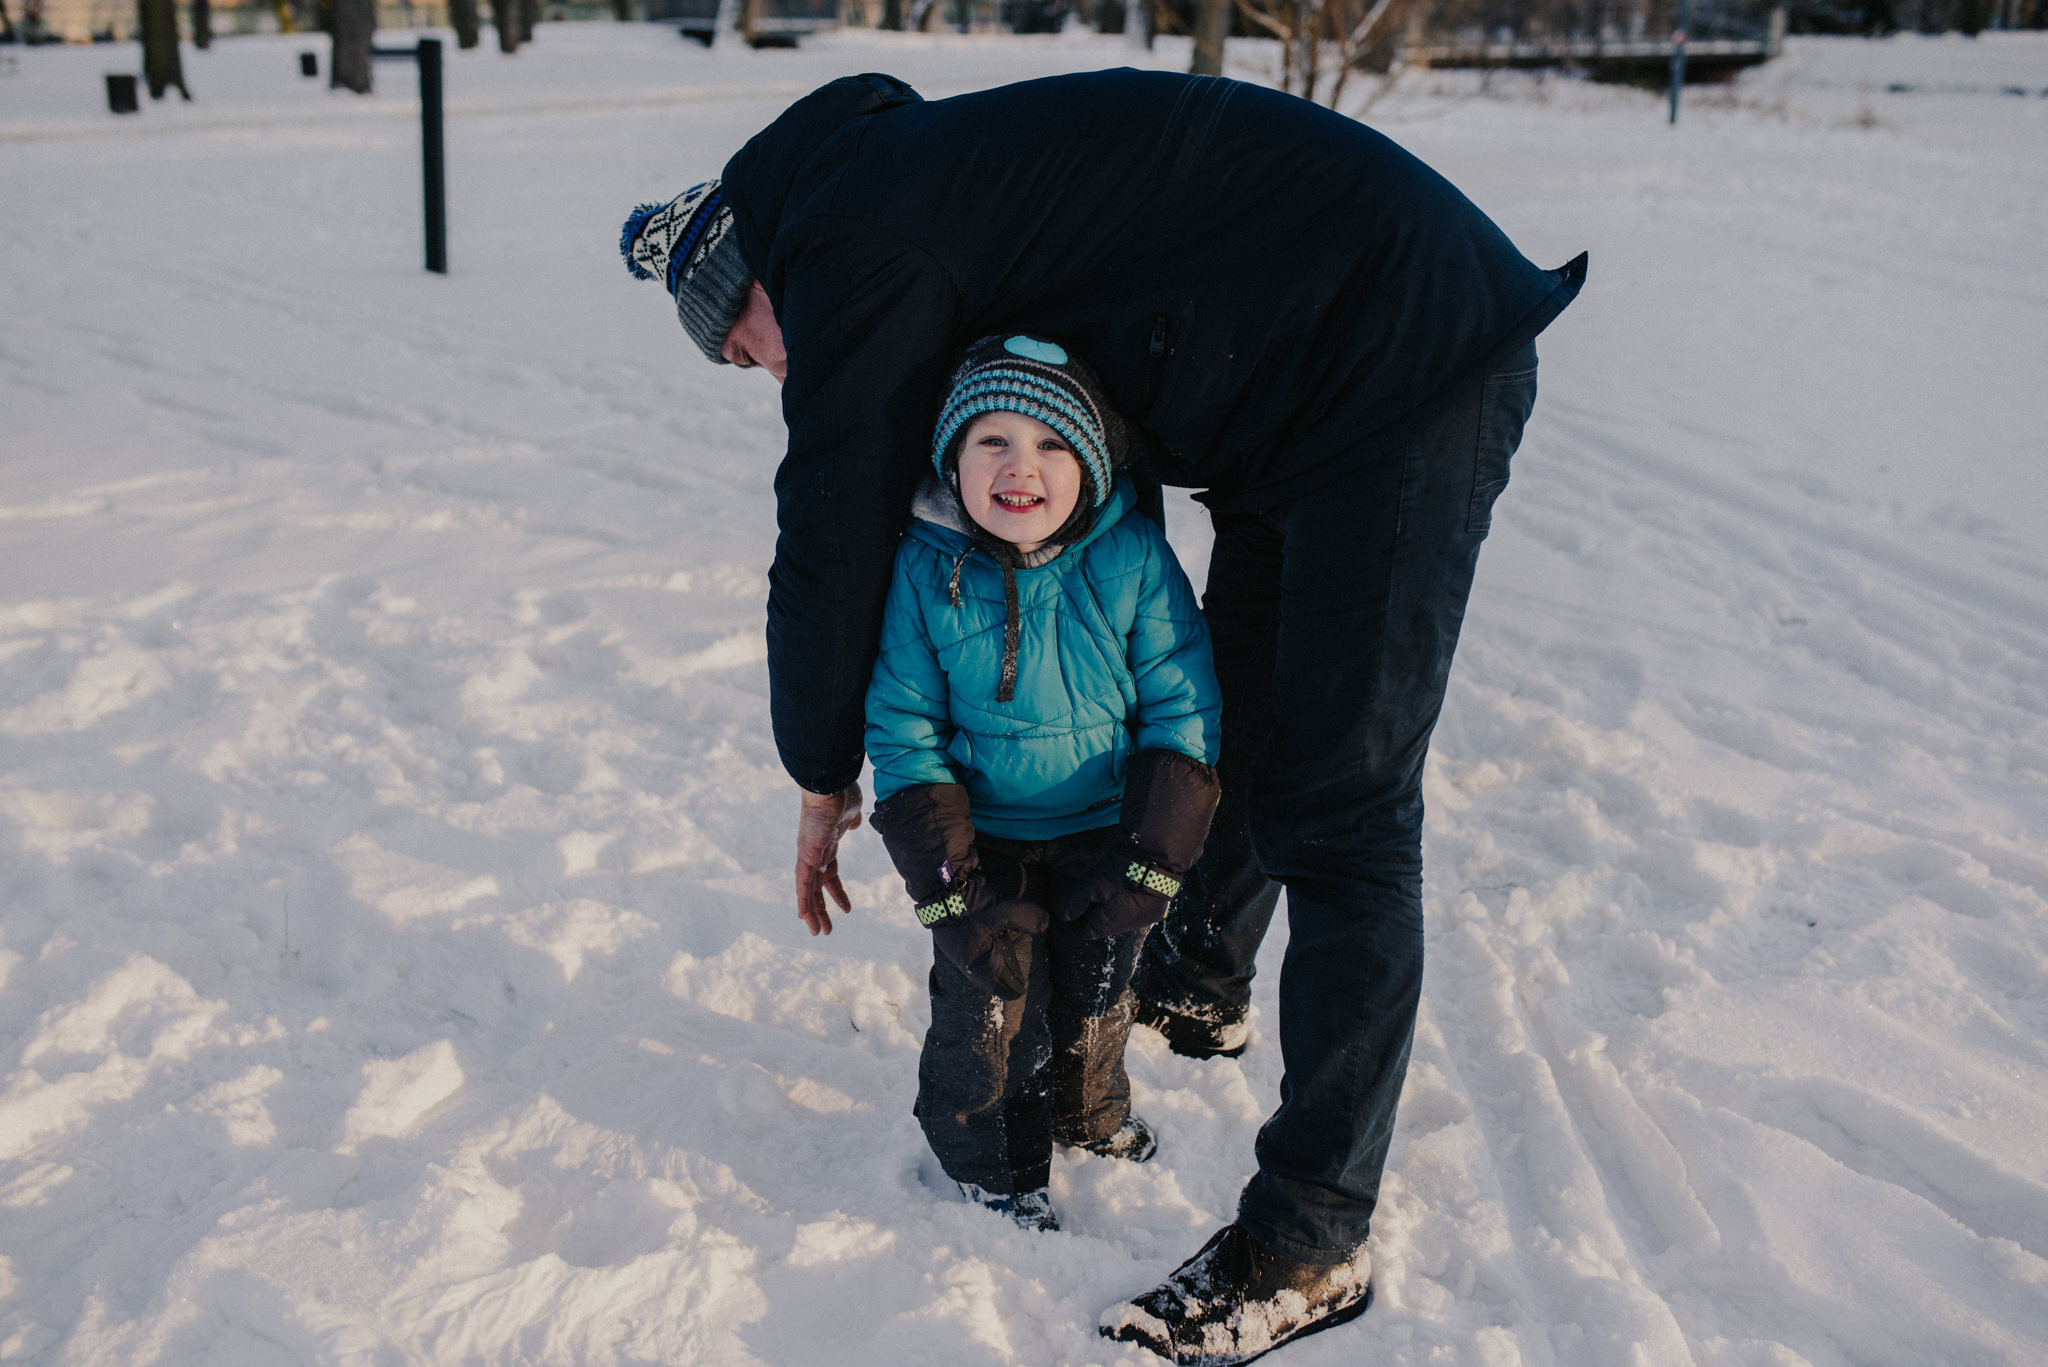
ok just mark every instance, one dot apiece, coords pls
pixel 309 64
pixel 432 162
pixel 121 93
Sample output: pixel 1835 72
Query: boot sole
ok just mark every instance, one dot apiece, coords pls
pixel 1165 1022
pixel 1144 1155
pixel 1330 1321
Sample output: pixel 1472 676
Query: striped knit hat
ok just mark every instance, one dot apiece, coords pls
pixel 687 243
pixel 1019 373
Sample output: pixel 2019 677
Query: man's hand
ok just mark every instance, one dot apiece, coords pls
pixel 825 818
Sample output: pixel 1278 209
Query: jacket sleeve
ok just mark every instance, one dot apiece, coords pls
pixel 1179 702
pixel 868 325
pixel 909 722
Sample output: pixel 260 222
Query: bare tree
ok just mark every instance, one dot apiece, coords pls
pixel 162 67
pixel 462 16
pixel 1212 26
pixel 1322 42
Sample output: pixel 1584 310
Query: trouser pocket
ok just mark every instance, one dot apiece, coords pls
pixel 1505 402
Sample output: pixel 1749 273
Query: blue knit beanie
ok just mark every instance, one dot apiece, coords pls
pixel 1020 373
pixel 687 244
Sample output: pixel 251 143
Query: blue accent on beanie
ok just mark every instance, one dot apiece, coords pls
pixel 1036 349
pixel 634 223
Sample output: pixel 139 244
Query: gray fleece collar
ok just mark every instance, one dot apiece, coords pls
pixel 935 504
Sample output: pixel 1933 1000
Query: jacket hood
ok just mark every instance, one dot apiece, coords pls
pixel 763 176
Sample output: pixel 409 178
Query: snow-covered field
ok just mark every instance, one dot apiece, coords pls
pixel 396 957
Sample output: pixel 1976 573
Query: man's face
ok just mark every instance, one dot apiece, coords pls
pixel 1018 478
pixel 756 338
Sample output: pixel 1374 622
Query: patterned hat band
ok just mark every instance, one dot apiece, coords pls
pixel 1043 393
pixel 687 244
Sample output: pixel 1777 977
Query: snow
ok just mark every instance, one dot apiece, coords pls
pixel 397 960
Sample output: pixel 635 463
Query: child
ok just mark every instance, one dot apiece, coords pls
pixel 1041 722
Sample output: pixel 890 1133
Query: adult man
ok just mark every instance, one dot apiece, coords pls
pixel 1301 320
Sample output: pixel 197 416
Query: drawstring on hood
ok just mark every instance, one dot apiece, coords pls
pixel 1005 555
pixel 939 504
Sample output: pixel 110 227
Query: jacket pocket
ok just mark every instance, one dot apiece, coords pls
pixel 1505 402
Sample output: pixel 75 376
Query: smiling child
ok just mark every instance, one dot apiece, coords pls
pixel 1042 722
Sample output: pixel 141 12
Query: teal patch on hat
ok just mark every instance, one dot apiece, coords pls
pixel 1031 349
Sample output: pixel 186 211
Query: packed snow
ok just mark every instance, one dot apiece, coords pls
pixel 397 955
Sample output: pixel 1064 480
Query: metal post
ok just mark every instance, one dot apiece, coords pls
pixel 433 163
pixel 1678 54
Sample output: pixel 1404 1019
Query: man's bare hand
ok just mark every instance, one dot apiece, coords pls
pixel 825 818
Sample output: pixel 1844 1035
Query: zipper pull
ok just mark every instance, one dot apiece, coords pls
pixel 1158 347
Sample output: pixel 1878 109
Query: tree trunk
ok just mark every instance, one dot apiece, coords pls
pixel 161 66
pixel 463 17
pixel 355 29
pixel 1212 26
pixel 505 16
pixel 202 24
pixel 1138 24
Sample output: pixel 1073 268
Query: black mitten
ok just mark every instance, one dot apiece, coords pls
pixel 1169 800
pixel 986 931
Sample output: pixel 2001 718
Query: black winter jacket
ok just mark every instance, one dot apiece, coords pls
pixel 1267 289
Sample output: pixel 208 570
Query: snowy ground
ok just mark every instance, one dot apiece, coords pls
pixel 396 956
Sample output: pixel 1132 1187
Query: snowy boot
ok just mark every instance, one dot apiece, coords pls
pixel 1030 1210
pixel 1199 1032
pixel 1234 1302
pixel 1134 1143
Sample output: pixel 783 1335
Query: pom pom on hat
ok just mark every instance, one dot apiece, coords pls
pixel 687 245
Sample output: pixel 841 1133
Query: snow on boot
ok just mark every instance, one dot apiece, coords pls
pixel 1134 1142
pixel 1234 1302
pixel 1030 1210
pixel 1199 1031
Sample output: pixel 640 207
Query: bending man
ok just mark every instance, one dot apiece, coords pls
pixel 1306 324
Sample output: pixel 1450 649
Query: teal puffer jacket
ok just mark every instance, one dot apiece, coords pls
pixel 1112 658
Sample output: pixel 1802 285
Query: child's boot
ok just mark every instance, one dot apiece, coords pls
pixel 1030 1210
pixel 1134 1143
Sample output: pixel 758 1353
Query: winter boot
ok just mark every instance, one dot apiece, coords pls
pixel 1134 1143
pixel 1234 1302
pixel 1198 1031
pixel 1030 1210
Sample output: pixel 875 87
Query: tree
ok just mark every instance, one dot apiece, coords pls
pixel 505 15
pixel 1323 41
pixel 162 67
pixel 1212 26
pixel 355 30
pixel 462 16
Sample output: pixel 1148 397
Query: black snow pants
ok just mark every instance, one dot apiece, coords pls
pixel 999 1081
pixel 1334 619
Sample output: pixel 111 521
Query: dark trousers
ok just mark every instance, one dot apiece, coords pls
pixel 999 1081
pixel 1334 619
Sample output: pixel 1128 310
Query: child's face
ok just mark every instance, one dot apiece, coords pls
pixel 1018 478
